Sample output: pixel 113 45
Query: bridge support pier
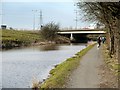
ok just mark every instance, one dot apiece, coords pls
pixel 71 36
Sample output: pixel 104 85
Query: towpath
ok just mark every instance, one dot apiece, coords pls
pixel 87 73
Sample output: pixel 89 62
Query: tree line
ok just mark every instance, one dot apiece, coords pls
pixel 107 14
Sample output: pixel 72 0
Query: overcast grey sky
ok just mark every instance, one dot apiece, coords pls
pixel 20 15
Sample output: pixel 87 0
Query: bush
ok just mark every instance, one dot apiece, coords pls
pixel 49 31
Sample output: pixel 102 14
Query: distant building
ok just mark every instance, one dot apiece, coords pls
pixel 3 26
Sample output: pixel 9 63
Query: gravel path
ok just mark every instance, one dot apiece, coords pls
pixel 87 73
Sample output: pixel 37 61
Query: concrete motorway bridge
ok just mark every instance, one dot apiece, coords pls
pixel 82 35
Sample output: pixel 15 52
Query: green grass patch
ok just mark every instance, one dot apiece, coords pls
pixel 60 74
pixel 11 38
pixel 116 66
pixel 19 35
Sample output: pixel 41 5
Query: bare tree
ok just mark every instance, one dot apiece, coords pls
pixel 49 31
pixel 107 13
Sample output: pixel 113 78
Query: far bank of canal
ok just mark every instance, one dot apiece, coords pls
pixel 21 66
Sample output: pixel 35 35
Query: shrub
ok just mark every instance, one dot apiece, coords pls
pixel 49 31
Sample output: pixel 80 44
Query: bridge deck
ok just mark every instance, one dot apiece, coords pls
pixel 81 32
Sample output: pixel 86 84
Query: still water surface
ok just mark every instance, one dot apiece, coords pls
pixel 20 67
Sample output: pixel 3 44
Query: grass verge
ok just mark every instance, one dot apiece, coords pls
pixel 60 74
pixel 109 70
pixel 15 38
pixel 112 63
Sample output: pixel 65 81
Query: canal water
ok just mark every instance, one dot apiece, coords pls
pixel 21 67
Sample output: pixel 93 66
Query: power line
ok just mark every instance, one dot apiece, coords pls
pixel 34 11
pixel 1 12
pixel 76 19
pixel 41 20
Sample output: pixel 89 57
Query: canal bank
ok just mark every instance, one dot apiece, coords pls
pixel 60 74
pixel 21 38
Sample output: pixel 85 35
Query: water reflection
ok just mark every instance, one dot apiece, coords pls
pixel 49 47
